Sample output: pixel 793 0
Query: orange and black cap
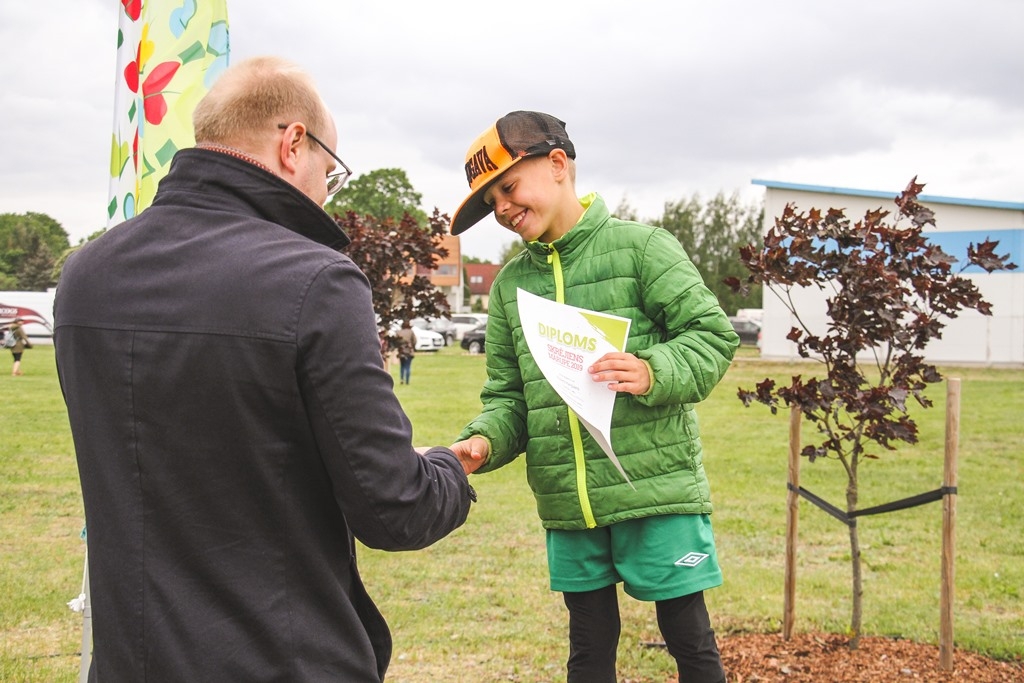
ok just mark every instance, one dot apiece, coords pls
pixel 513 137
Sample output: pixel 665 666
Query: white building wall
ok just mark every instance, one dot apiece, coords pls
pixel 971 337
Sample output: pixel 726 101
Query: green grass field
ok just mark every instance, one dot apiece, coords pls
pixel 476 606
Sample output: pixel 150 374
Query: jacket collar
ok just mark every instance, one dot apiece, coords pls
pixel 595 215
pixel 236 185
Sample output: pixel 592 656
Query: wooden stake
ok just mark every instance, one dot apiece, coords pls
pixel 949 524
pixel 792 510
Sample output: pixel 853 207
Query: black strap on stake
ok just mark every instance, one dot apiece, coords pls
pixel 849 519
pixel 820 502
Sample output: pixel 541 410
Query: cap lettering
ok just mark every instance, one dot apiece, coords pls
pixel 479 164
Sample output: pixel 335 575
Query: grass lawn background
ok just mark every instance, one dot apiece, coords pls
pixel 476 606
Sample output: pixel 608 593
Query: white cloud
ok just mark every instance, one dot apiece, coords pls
pixel 662 99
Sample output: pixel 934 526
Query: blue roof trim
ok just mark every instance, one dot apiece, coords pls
pixel 984 203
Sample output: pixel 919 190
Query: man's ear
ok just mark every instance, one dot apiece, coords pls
pixel 288 149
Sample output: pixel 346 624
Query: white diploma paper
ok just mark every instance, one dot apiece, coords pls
pixel 565 341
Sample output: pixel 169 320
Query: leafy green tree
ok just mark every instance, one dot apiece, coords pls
pixel 35 273
pixel 29 246
pixel 712 233
pixel 383 193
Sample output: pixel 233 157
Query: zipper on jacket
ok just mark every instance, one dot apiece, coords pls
pixel 574 423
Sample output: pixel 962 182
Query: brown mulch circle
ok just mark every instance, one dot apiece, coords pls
pixel 826 658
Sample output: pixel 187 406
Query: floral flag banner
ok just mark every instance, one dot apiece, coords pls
pixel 169 52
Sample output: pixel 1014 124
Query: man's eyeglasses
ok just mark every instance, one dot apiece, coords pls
pixel 336 180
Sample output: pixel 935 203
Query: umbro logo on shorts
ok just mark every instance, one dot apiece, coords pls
pixel 691 559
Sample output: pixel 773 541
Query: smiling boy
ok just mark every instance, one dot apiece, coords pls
pixel 656 539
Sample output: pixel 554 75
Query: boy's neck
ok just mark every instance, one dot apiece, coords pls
pixel 569 214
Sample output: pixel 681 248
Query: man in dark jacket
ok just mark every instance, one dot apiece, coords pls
pixel 233 424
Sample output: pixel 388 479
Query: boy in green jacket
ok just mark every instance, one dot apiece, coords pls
pixel 653 534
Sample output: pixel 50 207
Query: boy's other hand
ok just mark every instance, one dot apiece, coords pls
pixel 472 453
pixel 622 372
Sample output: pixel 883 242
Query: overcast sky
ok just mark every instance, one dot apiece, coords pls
pixel 662 99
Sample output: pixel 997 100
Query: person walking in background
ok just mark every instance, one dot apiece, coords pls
pixel 235 429
pixel 18 343
pixel 656 539
pixel 406 352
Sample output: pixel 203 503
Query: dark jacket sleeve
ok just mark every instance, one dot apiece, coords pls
pixel 392 497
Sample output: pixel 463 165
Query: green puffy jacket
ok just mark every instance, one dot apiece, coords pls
pixel 678 328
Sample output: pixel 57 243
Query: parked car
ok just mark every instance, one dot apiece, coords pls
pixel 748 330
pixel 428 340
pixel 473 340
pixel 442 326
pixel 464 322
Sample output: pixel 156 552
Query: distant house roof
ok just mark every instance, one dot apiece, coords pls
pixel 480 277
pixel 985 203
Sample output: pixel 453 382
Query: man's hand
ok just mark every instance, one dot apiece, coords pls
pixel 622 372
pixel 472 453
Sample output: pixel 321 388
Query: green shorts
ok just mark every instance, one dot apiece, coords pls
pixel 656 558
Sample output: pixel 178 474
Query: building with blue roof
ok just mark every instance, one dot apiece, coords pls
pixel 971 338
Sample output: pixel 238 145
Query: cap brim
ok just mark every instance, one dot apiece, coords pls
pixel 473 209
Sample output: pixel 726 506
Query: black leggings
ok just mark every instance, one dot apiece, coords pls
pixel 594 628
